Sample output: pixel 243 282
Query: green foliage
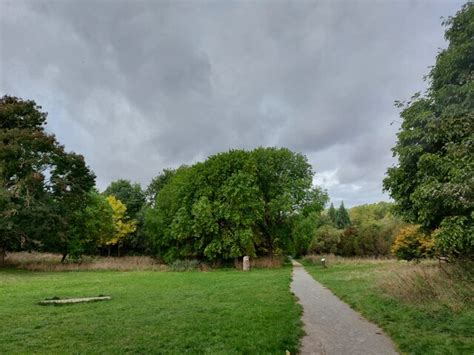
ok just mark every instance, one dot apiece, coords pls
pixel 134 199
pixel 433 183
pixel 455 236
pixel 372 232
pixel 233 204
pixel 325 240
pixel 342 219
pixel 43 188
pixel 123 225
pixel 412 244
pixel 304 231
pixel 332 214
pixel 129 194
pixel 157 183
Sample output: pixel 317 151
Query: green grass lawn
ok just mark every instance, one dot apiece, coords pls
pixel 223 311
pixel 424 328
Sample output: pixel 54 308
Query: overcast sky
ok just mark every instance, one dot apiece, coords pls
pixel 138 86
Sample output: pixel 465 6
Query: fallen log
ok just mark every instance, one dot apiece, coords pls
pixel 75 300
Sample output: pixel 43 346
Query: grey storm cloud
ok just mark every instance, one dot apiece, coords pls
pixel 138 86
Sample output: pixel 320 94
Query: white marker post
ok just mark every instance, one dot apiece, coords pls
pixel 246 263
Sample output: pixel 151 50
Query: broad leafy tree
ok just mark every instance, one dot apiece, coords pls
pixel 43 187
pixel 123 226
pixel 233 204
pixel 433 182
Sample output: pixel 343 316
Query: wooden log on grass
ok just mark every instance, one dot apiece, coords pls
pixel 75 300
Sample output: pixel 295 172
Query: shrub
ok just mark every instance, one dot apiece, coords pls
pixel 325 240
pixel 412 244
pixel 347 242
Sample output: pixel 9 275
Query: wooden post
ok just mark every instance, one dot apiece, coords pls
pixel 246 263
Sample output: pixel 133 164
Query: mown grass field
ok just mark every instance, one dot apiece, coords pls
pixel 223 311
pixel 417 324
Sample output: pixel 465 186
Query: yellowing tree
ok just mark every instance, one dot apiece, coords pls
pixel 123 226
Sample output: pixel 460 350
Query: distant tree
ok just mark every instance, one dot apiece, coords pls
pixel 130 194
pixel 325 240
pixel 332 214
pixel 42 186
pixel 123 226
pixel 342 217
pixel 348 242
pixel 433 182
pixel 88 226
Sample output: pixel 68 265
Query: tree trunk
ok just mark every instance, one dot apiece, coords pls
pixel 118 249
pixel 108 250
pixel 3 252
pixel 64 257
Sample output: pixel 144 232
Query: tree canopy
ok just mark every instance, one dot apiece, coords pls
pixel 42 187
pixel 130 194
pixel 433 182
pixel 233 204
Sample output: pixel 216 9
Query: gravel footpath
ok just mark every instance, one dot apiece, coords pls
pixel 331 326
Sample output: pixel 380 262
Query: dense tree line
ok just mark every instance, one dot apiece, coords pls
pixel 233 204
pixel 369 231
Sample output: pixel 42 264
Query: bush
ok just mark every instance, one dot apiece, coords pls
pixel 412 244
pixel 325 240
pixel 347 242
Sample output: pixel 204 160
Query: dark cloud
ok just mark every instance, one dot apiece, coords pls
pixel 137 86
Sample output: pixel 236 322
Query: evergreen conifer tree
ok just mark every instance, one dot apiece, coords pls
pixel 332 214
pixel 342 217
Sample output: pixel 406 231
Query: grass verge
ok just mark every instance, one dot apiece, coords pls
pixel 410 302
pixel 151 312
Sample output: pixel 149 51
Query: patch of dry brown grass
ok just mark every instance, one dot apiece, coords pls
pixel 332 259
pixel 262 262
pixel 449 285
pixel 52 262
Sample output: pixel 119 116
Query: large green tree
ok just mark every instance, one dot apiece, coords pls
pixel 433 182
pixel 42 187
pixel 233 204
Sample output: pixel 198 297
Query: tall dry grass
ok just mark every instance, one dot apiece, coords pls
pixel 262 262
pixel 332 259
pixel 431 282
pixel 52 262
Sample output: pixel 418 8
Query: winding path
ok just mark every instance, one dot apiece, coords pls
pixel 331 326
